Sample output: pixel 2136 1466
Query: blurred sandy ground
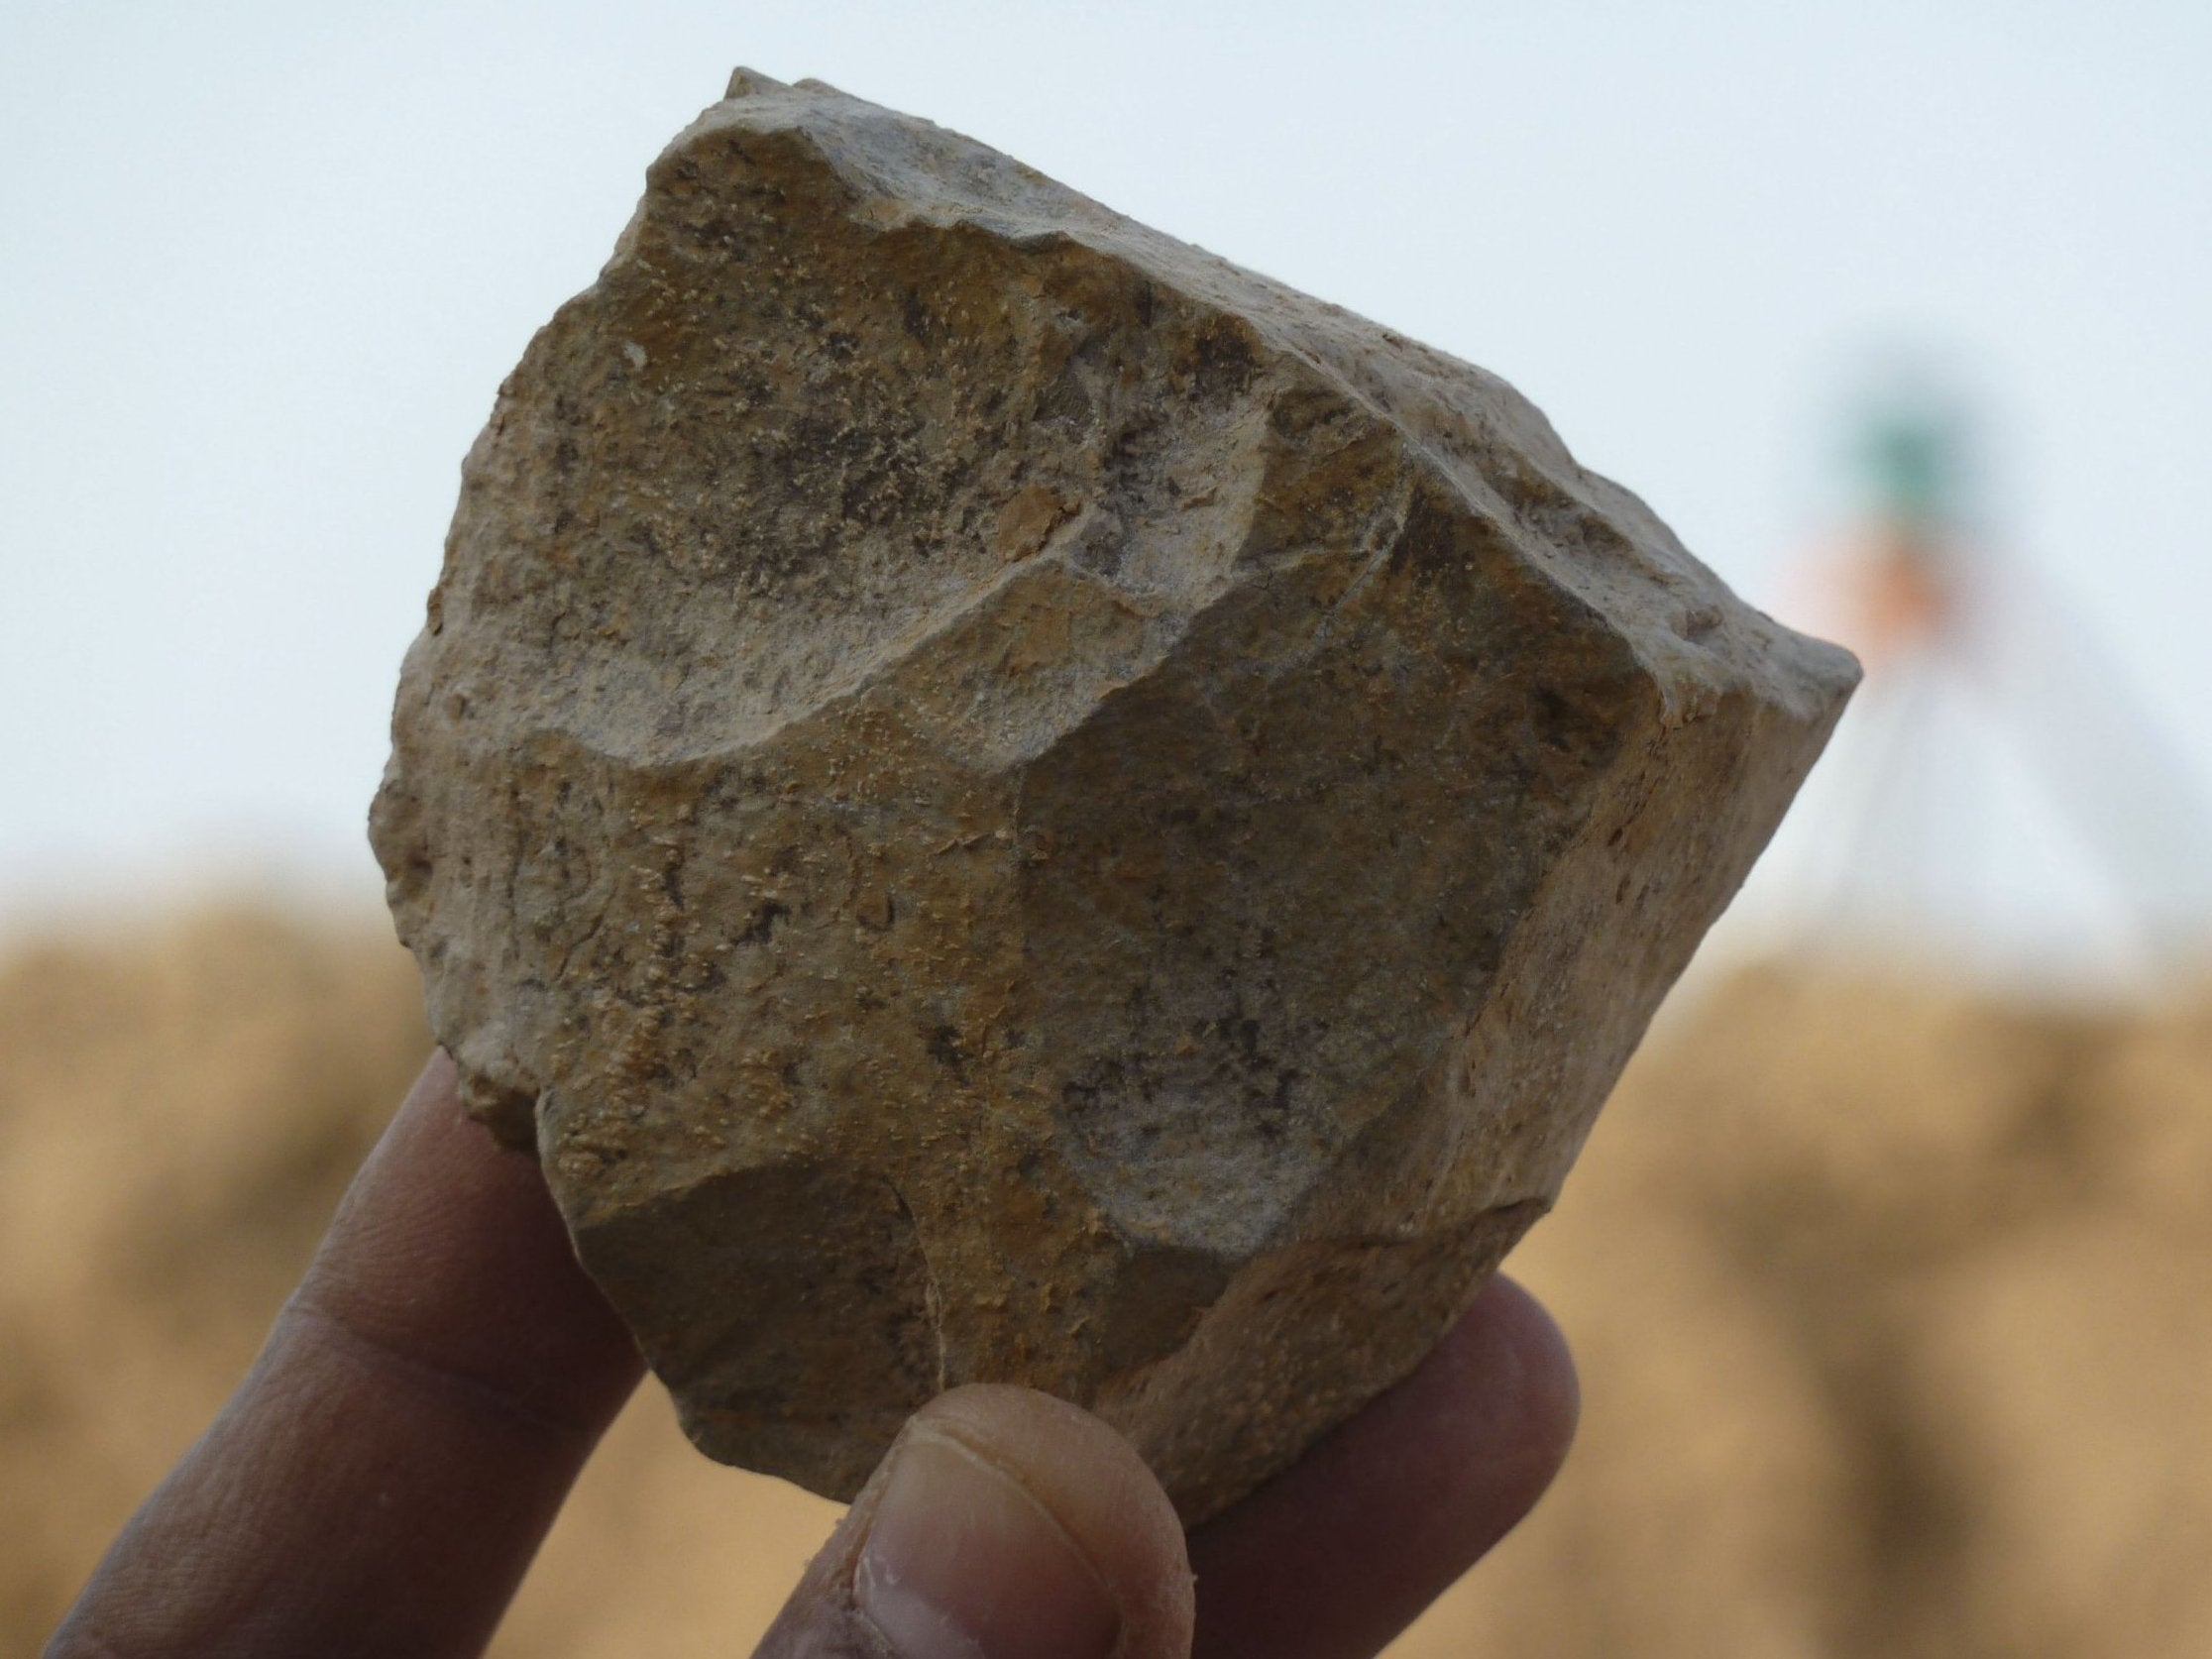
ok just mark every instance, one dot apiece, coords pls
pixel 1894 1308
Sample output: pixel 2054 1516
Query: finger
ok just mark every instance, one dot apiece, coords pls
pixel 1003 1524
pixel 383 1477
pixel 1338 1555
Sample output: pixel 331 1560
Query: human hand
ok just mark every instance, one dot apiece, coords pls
pixel 383 1477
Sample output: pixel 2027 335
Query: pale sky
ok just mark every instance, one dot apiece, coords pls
pixel 262 267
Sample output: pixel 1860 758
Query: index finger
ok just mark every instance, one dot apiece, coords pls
pixel 385 1474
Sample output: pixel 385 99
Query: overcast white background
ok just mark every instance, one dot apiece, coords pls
pixel 262 267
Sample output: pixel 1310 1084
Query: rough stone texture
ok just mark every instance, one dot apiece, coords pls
pixel 1003 799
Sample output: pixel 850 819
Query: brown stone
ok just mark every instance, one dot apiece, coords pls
pixel 1004 799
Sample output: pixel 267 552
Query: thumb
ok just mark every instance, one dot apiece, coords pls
pixel 1002 1525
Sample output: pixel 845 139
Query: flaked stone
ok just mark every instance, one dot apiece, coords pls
pixel 1002 799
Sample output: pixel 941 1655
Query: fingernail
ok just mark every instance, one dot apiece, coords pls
pixel 962 1562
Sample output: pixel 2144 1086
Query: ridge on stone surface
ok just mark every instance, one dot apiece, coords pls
pixel 1002 799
